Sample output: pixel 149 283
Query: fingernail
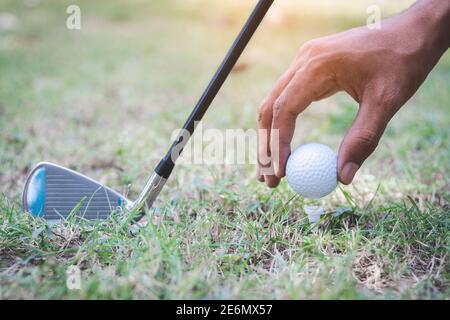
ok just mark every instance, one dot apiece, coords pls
pixel 348 172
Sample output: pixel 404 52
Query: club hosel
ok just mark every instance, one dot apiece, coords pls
pixel 149 194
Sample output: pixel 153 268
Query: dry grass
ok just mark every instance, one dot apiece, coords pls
pixel 105 101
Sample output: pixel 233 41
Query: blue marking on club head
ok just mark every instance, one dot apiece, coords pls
pixel 36 193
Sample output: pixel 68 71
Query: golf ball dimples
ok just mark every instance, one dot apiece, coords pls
pixel 311 170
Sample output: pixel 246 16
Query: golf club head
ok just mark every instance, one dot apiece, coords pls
pixel 54 192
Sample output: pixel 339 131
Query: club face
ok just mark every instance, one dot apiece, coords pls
pixel 54 192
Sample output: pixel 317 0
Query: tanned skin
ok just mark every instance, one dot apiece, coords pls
pixel 380 69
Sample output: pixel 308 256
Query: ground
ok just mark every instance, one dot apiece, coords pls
pixel 105 99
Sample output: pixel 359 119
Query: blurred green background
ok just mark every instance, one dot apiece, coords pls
pixel 105 99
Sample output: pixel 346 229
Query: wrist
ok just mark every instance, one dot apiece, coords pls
pixel 432 20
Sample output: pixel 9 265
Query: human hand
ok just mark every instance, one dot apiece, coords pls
pixel 381 69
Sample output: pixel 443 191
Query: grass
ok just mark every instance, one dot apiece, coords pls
pixel 104 100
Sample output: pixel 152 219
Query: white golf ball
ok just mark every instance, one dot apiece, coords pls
pixel 311 170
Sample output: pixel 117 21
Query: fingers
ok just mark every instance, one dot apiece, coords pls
pixel 293 100
pixel 306 80
pixel 360 141
pixel 305 87
pixel 264 168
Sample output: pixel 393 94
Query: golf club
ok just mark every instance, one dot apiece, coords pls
pixel 54 192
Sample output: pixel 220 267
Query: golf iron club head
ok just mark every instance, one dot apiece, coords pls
pixel 54 192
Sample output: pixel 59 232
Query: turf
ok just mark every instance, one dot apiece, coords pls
pixel 104 100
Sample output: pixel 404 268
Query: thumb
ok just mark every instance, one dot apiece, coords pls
pixel 360 141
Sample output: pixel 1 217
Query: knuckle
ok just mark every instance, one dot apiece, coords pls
pixel 311 47
pixel 369 138
pixel 314 66
pixel 284 110
pixel 389 102
pixel 310 44
pixel 264 112
pixel 260 111
pixel 279 106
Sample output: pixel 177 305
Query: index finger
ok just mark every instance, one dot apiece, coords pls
pixel 264 128
pixel 302 90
